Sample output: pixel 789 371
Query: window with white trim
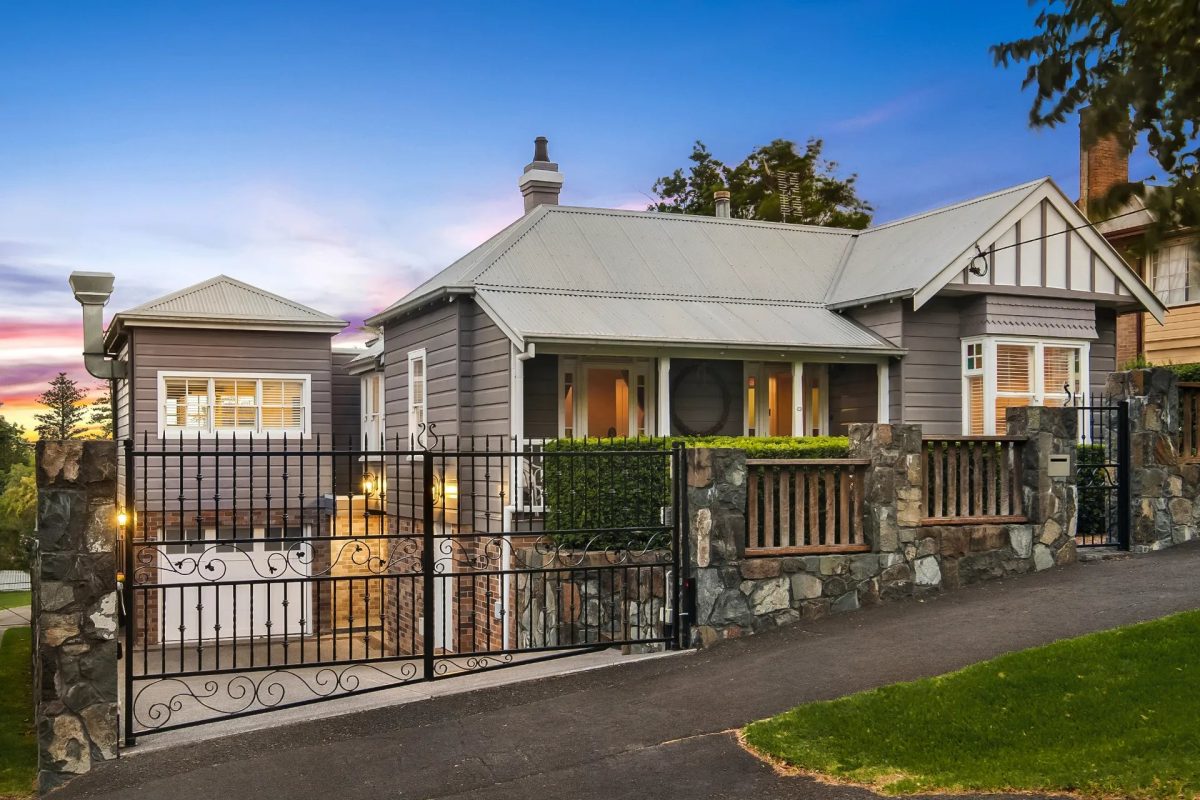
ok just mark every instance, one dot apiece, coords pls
pixel 371 391
pixel 999 373
pixel 418 395
pixel 1175 273
pixel 238 404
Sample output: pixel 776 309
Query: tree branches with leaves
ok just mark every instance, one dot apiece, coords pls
pixel 1134 64
pixel 100 414
pixel 64 401
pixel 820 198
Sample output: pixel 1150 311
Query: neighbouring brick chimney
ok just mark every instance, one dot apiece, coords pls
pixel 1102 165
pixel 541 182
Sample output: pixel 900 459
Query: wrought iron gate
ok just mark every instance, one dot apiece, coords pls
pixel 262 574
pixel 1103 476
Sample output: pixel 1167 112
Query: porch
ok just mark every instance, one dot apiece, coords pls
pixel 575 395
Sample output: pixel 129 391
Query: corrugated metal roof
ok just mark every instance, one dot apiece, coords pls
pixel 902 256
pixel 651 319
pixel 227 299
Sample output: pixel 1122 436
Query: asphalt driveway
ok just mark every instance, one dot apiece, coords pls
pixel 657 728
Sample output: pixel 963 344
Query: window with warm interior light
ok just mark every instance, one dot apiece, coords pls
pixel 239 404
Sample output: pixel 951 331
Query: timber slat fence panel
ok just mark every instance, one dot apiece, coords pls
pixel 972 479
pixel 1189 402
pixel 805 506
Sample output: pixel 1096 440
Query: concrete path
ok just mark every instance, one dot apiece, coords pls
pixel 658 728
pixel 13 618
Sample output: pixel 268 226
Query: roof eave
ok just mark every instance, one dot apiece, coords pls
pixel 585 339
pixel 842 305
pixel 409 305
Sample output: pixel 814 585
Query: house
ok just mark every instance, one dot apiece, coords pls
pixel 600 322
pixel 223 365
pixel 1171 268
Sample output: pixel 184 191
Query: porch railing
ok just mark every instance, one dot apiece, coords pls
pixel 1189 404
pixel 805 506
pixel 972 479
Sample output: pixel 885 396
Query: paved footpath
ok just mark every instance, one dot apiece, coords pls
pixel 657 728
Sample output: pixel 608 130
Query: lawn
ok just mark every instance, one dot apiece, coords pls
pixel 1111 714
pixel 18 747
pixel 14 599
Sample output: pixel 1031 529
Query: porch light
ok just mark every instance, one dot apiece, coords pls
pixel 451 490
pixel 368 484
pixel 122 519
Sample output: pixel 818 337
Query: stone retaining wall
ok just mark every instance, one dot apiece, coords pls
pixel 75 625
pixel 1164 488
pixel 736 595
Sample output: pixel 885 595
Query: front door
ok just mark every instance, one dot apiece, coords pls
pixel 602 399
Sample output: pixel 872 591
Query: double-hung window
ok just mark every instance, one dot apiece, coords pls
pixel 1175 273
pixel 373 428
pixel 418 396
pixel 210 405
pixel 999 373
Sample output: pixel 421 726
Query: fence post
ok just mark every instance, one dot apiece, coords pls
pixel 75 628
pixel 715 505
pixel 427 564
pixel 1050 503
pixel 1124 477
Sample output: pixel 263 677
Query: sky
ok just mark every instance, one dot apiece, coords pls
pixel 338 153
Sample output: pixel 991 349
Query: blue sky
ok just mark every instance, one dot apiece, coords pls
pixel 338 153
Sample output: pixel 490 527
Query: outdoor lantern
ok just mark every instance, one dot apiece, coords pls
pixel 122 519
pixel 368 484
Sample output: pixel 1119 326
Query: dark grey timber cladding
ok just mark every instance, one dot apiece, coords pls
pixel 486 373
pixel 435 330
pixel 222 352
pixel 1041 317
pixel 706 397
pixel 887 320
pixel 932 378
pixel 346 414
pixel 854 396
pixel 541 397
pixel 1104 350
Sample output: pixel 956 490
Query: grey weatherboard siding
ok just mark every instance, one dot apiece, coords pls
pixel 224 351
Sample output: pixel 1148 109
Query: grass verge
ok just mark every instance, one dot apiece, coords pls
pixel 14 599
pixel 18 747
pixel 1112 714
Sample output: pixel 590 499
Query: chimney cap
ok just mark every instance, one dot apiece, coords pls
pixel 541 149
pixel 721 194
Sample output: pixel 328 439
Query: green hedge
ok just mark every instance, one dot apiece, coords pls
pixel 585 490
pixel 1186 372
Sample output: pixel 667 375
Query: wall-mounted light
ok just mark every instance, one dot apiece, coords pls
pixel 451 490
pixel 122 519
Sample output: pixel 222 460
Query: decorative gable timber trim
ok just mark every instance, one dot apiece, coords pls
pixel 1098 251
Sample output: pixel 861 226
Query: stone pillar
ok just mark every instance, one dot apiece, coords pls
pixel 75 680
pixel 1049 503
pixel 716 486
pixel 1163 489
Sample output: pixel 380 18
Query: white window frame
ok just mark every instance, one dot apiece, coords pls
pixel 373 424
pixel 414 356
pixel 1191 293
pixel 1039 373
pixel 209 431
pixel 578 368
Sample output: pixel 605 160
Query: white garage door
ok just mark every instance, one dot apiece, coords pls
pixel 278 603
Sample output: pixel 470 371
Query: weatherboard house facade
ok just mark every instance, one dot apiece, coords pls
pixel 584 322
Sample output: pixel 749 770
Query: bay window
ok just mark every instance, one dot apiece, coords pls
pixel 209 405
pixel 999 373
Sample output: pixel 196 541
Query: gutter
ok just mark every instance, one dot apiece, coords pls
pixel 404 306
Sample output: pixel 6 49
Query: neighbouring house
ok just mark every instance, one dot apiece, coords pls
pixel 575 322
pixel 1171 269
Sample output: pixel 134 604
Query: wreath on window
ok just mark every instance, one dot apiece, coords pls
pixel 702 375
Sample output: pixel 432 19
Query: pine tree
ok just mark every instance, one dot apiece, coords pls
pixel 64 399
pixel 101 415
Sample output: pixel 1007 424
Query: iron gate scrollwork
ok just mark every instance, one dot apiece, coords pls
pixel 1103 516
pixel 267 573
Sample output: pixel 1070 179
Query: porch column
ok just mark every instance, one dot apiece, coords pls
pixel 883 372
pixel 797 398
pixel 662 413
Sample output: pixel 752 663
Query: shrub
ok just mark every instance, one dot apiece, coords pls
pixel 1189 373
pixel 585 490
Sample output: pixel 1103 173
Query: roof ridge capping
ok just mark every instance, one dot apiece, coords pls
pixel 702 218
pixel 152 308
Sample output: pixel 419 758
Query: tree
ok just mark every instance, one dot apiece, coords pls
pixel 64 400
pixel 18 508
pixel 1134 65
pixel 818 196
pixel 13 447
pixel 101 414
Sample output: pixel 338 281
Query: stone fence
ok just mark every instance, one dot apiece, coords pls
pixel 736 595
pixel 75 608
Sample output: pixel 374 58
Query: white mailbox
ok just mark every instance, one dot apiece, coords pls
pixel 1059 466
